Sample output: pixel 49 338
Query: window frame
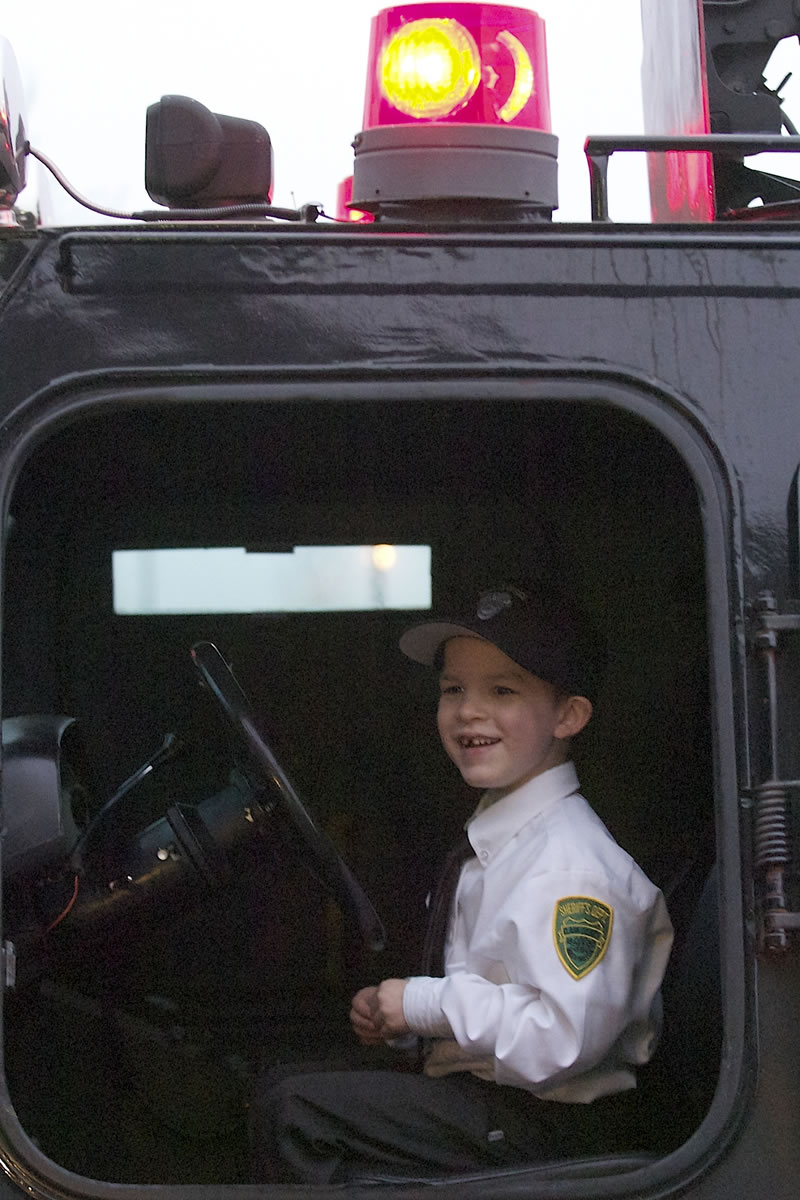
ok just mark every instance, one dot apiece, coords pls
pixel 706 462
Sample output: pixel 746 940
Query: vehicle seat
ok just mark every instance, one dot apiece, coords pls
pixel 676 1087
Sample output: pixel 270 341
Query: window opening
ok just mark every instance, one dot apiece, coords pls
pixel 293 579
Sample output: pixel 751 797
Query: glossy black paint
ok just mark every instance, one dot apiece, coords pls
pixel 656 306
pixel 692 332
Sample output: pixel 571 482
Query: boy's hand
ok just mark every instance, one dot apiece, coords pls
pixel 363 1008
pixel 390 1017
pixel 376 1013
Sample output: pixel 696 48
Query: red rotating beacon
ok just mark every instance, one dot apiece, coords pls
pixel 456 116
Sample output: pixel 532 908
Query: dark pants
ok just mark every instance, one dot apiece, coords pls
pixel 321 1126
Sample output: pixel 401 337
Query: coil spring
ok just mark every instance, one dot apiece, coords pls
pixel 771 844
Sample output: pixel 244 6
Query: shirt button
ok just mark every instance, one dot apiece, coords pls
pixel 483 855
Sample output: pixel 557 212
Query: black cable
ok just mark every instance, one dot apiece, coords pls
pixel 171 746
pixel 53 169
pixel 308 213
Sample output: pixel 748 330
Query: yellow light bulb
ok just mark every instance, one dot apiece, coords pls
pixel 429 68
pixel 384 557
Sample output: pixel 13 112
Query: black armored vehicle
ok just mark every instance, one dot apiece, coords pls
pixel 242 449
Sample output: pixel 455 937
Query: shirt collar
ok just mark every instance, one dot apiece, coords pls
pixel 495 822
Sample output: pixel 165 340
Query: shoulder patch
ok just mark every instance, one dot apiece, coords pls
pixel 581 932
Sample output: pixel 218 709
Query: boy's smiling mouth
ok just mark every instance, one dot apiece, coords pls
pixel 468 742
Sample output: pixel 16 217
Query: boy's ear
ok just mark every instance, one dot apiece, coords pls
pixel 575 714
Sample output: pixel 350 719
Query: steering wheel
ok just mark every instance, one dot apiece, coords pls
pixel 325 860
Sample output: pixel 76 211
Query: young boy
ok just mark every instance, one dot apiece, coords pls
pixel 555 950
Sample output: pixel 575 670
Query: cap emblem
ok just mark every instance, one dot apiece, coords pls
pixel 492 603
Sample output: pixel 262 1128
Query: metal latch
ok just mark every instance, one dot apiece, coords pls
pixel 771 798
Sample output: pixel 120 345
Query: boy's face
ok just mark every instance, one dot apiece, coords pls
pixel 499 724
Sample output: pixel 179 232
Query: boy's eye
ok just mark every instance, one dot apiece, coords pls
pixel 449 689
pixel 504 691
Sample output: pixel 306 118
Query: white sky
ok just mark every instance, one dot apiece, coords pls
pixel 90 69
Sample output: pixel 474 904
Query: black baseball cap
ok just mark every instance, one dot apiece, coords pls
pixel 537 627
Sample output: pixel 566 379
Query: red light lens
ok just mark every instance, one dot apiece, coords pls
pixel 474 64
pixel 675 95
pixel 344 211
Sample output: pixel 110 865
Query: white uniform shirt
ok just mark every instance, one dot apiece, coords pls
pixel 557 946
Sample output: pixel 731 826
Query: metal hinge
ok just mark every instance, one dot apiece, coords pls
pixel 771 798
pixel 8 959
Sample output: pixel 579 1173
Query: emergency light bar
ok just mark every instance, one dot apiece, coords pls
pixel 456 115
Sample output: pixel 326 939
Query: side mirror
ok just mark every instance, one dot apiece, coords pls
pixel 12 128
